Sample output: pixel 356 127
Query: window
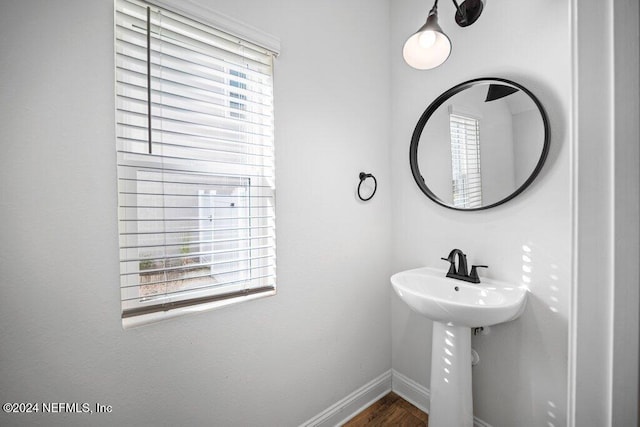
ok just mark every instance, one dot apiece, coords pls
pixel 195 154
pixel 465 161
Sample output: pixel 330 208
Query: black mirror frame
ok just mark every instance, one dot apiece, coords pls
pixel 415 139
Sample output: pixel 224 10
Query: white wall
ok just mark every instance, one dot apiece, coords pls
pixel 277 361
pixel 523 372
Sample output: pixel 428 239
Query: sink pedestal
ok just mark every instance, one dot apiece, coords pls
pixel 451 402
pixel 446 302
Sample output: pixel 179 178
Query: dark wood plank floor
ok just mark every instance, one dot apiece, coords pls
pixel 391 410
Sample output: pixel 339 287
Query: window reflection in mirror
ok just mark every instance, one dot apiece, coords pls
pixel 464 133
pixel 480 145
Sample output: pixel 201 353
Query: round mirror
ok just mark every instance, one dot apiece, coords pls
pixel 479 144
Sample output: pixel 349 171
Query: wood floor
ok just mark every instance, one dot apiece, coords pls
pixel 391 410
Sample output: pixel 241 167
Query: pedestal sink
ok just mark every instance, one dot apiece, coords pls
pixel 455 307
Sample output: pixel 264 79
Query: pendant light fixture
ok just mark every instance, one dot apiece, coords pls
pixel 429 46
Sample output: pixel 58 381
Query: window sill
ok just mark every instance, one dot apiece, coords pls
pixel 157 316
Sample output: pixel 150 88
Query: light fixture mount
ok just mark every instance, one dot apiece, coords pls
pixel 468 12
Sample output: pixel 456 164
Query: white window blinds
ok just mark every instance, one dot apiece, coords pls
pixel 194 113
pixel 465 161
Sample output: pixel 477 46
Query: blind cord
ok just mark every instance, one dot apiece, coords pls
pixel 149 77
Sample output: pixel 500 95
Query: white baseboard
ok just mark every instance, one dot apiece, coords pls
pixel 392 380
pixel 477 422
pixel 345 409
pixel 410 390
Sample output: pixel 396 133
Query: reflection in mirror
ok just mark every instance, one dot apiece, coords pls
pixel 479 144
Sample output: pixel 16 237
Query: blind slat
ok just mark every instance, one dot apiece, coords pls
pixel 200 270
pixel 174 96
pixel 133 71
pixel 205 130
pixel 134 133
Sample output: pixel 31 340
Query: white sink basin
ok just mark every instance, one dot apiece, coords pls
pixel 429 292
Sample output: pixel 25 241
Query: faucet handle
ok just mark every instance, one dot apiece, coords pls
pixel 473 275
pixel 452 266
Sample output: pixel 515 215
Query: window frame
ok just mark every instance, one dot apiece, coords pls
pixel 198 300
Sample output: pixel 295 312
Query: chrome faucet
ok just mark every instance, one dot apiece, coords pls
pixel 461 272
